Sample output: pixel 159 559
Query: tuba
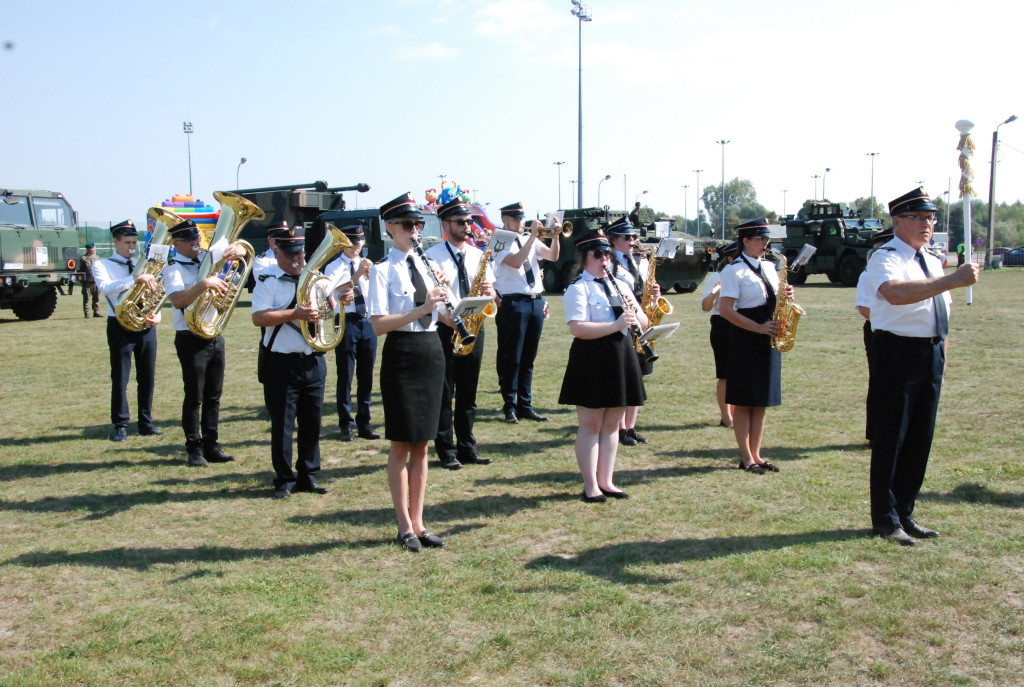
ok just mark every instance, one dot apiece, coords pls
pixel 655 308
pixel 474 322
pixel 140 302
pixel 315 288
pixel 787 312
pixel 207 315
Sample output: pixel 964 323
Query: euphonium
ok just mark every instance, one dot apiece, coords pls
pixel 787 312
pixel 474 322
pixel 315 288
pixel 656 308
pixel 140 302
pixel 207 315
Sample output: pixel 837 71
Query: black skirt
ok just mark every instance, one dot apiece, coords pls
pixel 411 380
pixel 603 373
pixel 720 345
pixel 755 368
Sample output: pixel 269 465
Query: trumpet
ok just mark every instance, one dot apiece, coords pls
pixel 553 232
pixel 467 336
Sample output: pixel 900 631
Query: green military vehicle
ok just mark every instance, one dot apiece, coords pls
pixel 842 242
pixel 39 251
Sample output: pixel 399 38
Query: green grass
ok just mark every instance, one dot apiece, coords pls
pixel 120 565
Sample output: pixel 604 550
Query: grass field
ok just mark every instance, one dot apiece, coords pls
pixel 119 565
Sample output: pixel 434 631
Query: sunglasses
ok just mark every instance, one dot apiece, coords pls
pixel 461 222
pixel 408 226
pixel 601 253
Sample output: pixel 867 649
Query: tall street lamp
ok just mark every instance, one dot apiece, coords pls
pixel 187 126
pixel 559 164
pixel 824 178
pixel 697 172
pixel 872 184
pixel 815 177
pixel 583 14
pixel 723 142
pixel 642 193
pixel 784 192
pixel 685 194
pixel 992 194
pixel 606 178
pixel 240 163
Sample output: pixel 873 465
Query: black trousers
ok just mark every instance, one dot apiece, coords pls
pixel 355 355
pixel 519 321
pixel 907 375
pixel 124 345
pixel 869 430
pixel 461 376
pixel 202 371
pixel 293 390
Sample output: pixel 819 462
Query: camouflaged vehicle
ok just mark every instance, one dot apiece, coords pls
pixel 842 240
pixel 39 251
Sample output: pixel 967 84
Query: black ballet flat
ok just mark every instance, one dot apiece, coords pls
pixel 614 494
pixel 753 467
pixel 769 467
pixel 600 498
pixel 722 424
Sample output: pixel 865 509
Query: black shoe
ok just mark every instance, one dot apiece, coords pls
pixel 410 542
pixel 428 538
pixel 510 417
pixel 914 530
pixel 625 439
pixel 898 535
pixel 217 455
pixel 120 434
pixel 721 423
pixel 346 435
pixel 311 486
pixel 282 492
pixel 753 467
pixel 614 494
pixel 150 431
pixel 196 460
pixel 367 433
pixel 769 467
pixel 450 462
pixel 640 438
pixel 475 460
pixel 531 414
pixel 600 498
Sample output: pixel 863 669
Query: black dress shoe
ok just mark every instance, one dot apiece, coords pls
pixel 428 538
pixel 614 494
pixel 753 467
pixel 600 498
pixel 914 530
pixel 150 431
pixel 367 433
pixel 346 435
pixel 475 460
pixel 450 462
pixel 282 492
pixel 769 467
pixel 510 417
pixel 531 414
pixel 120 434
pixel 625 439
pixel 311 486
pixel 196 460
pixel 639 438
pixel 217 455
pixel 898 535
pixel 410 542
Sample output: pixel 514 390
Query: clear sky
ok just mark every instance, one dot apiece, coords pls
pixel 394 93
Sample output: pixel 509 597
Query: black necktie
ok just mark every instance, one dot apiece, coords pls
pixel 419 291
pixel 616 309
pixel 938 303
pixel 360 301
pixel 131 266
pixel 529 270
pixel 460 261
pixel 631 265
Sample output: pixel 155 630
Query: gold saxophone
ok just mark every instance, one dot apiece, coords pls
pixel 656 308
pixel 140 302
pixel 207 315
pixel 787 312
pixel 314 288
pixel 474 322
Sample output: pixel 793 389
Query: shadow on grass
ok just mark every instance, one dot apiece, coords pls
pixel 105 505
pixel 623 478
pixel 774 454
pixel 972 492
pixel 612 562
pixel 10 473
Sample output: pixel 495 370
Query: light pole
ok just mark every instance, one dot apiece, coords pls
pixel 697 172
pixel 784 191
pixel 606 178
pixel 240 163
pixel 723 142
pixel 187 126
pixel 559 165
pixel 815 177
pixel 573 182
pixel 583 14
pixel 685 194
pixel 474 195
pixel 992 194
pixel 872 184
pixel 642 193
pixel 625 206
pixel 824 177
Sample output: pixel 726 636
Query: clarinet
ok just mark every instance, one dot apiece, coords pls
pixel 468 337
pixel 642 347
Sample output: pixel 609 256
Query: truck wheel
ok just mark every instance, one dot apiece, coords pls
pixel 568 274
pixel 850 269
pixel 38 308
pixel 833 277
pixel 551 280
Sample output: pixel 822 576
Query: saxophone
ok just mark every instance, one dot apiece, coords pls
pixel 140 302
pixel 313 287
pixel 787 312
pixel 655 308
pixel 207 316
pixel 474 322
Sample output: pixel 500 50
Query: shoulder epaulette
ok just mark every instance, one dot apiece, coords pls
pixel 382 260
pixel 264 277
pixel 886 248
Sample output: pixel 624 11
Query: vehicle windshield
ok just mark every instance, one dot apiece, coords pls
pixel 16 214
pixel 53 212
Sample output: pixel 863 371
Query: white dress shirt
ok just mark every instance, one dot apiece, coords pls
pixel 896 260
pixel 392 291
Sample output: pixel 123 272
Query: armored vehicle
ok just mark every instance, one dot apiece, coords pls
pixel 39 251
pixel 842 242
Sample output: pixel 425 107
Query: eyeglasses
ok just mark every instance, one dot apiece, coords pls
pixel 930 219
pixel 408 226
pixel 601 253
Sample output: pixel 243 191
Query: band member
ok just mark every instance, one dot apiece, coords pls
pixel 113 277
pixel 291 371
pixel 520 318
pixel 267 259
pixel 863 306
pixel 357 352
pixel 909 323
pixel 89 290
pixel 720 329
pixel 603 374
pixel 202 360
pixel 403 303
pixel 631 269
pixel 747 301
pixel 460 260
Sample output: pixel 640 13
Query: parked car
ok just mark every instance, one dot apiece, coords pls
pixel 1014 258
pixel 1000 250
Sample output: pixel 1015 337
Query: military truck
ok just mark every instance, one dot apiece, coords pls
pixel 39 251
pixel 842 242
